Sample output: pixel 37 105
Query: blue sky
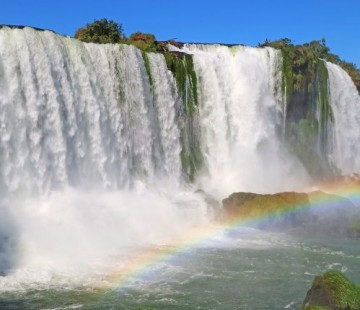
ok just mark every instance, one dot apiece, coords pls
pixel 223 21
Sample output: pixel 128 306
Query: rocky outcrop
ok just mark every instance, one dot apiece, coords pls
pixel 329 214
pixel 272 210
pixel 332 290
pixel 315 212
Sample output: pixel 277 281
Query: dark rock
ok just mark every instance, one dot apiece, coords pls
pixel 329 214
pixel 300 213
pixel 273 211
pixel 332 290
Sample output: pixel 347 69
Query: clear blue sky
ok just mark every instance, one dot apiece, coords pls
pixel 223 21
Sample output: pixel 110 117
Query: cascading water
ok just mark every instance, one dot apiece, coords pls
pixel 83 114
pixel 89 154
pixel 345 104
pixel 94 141
pixel 241 116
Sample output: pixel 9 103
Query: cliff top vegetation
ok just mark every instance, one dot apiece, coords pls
pixel 307 55
pixel 302 57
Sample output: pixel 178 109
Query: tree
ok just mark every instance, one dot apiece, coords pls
pixel 101 31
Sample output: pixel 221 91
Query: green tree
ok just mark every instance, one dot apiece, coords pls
pixel 101 31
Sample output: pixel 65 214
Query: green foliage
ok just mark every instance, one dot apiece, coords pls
pixel 101 31
pixel 140 36
pixel 143 41
pixel 191 161
pixel 147 66
pixel 182 67
pixel 323 99
pixel 306 91
pixel 332 290
pixel 345 294
pixel 301 62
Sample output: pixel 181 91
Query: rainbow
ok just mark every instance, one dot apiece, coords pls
pixel 138 265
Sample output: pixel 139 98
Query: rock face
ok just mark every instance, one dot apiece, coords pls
pixel 332 290
pixel 273 210
pixel 330 214
pixel 315 212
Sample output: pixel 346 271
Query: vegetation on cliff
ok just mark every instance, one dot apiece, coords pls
pixel 180 64
pixel 332 290
pixel 306 92
pixel 301 62
pixel 100 31
pixel 305 89
pixel 182 67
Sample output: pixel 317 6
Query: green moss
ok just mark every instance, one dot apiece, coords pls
pixel 147 66
pixel 306 92
pixel 191 161
pixel 182 67
pixel 287 74
pixel 315 308
pixel 324 102
pixel 300 63
pixel 344 293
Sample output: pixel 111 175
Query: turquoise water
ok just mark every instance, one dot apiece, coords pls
pixel 241 270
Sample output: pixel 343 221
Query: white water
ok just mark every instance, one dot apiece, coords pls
pixel 89 156
pixel 90 149
pixel 345 103
pixel 241 116
pixel 82 114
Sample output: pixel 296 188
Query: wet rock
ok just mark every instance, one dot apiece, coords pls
pixel 332 290
pixel 268 210
pixel 301 213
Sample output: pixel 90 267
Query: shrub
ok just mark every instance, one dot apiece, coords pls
pixel 101 31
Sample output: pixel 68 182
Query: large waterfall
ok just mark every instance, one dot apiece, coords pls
pixel 83 114
pixel 241 117
pixel 345 103
pixel 93 137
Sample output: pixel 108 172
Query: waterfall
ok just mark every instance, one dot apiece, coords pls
pixel 345 103
pixel 83 114
pixel 89 156
pixel 242 120
pixel 102 149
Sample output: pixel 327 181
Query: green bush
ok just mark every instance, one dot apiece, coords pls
pixel 143 41
pixel 101 31
pixel 302 61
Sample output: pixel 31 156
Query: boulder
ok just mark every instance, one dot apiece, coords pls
pixel 302 213
pixel 330 214
pixel 269 210
pixel 332 290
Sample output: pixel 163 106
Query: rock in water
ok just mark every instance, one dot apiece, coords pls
pixel 330 214
pixel 274 210
pixel 316 212
pixel 332 290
